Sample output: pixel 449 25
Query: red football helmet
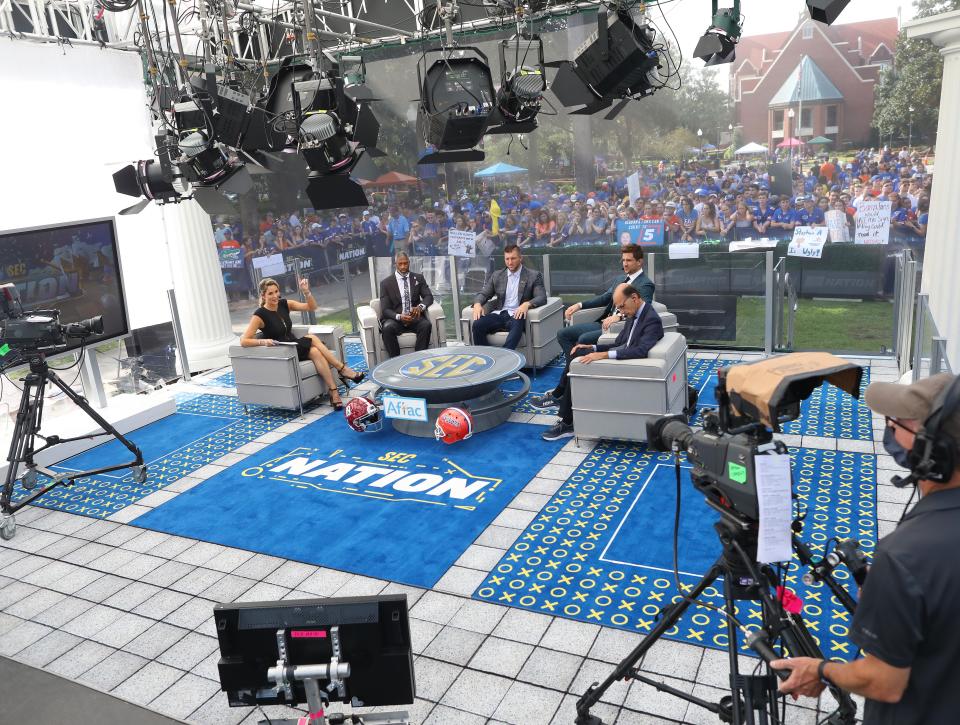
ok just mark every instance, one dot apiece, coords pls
pixel 363 415
pixel 453 424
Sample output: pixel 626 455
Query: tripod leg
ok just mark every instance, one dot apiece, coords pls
pixel 21 444
pixel 671 615
pixel 81 403
pixel 733 657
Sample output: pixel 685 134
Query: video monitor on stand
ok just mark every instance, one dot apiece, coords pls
pixel 354 651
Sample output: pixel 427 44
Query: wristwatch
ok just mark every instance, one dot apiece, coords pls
pixel 821 675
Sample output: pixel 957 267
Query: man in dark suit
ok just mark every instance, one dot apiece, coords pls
pixel 515 290
pixel 404 299
pixel 641 332
pixel 587 333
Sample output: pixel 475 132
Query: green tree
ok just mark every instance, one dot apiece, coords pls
pixel 914 80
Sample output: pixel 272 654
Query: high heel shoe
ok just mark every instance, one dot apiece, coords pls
pixel 338 403
pixel 356 379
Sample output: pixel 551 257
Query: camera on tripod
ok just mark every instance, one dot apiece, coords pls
pixel 753 401
pixel 39 329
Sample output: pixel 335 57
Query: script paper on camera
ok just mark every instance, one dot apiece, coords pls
pixel 776 514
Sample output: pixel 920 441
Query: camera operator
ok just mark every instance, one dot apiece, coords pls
pixel 906 620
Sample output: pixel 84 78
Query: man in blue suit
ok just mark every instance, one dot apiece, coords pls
pixel 587 333
pixel 642 330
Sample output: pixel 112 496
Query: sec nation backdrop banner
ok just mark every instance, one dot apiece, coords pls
pixel 381 504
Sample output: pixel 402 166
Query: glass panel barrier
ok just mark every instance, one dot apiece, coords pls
pixel 719 298
pixel 845 299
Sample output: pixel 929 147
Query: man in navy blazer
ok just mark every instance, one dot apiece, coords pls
pixel 642 330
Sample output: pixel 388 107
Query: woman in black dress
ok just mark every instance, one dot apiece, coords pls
pixel 272 318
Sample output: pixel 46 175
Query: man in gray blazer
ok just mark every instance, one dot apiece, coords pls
pixel 514 290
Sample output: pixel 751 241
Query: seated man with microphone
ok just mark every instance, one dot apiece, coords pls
pixel 642 330
pixel 404 299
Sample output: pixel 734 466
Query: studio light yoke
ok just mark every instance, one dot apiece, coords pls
pixel 718 44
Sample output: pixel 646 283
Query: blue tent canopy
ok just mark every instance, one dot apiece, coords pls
pixel 500 168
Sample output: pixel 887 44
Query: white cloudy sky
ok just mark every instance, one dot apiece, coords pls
pixel 689 18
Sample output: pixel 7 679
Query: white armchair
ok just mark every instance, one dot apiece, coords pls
pixel 273 376
pixel 539 341
pixel 616 398
pixel 372 341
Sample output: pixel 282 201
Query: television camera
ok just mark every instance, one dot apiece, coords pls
pixel 32 335
pixel 39 329
pixel 753 401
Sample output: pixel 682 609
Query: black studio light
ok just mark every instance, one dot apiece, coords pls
pixel 617 61
pixel 826 11
pixel 456 104
pixel 522 85
pixel 333 132
pixel 158 180
pixel 718 44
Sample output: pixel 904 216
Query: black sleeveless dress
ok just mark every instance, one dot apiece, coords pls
pixel 277 326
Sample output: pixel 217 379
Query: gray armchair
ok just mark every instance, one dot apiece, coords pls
pixel 373 349
pixel 615 398
pixel 273 376
pixel 539 341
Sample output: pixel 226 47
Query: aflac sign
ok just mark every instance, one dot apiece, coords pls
pixel 392 477
pixel 404 408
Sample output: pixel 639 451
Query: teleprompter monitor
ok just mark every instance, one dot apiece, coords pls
pixel 372 635
pixel 73 268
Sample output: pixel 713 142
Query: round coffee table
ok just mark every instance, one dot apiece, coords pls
pixel 459 376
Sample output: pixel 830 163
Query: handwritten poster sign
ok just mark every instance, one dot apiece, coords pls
pixel 873 222
pixel 808 242
pixel 271 265
pixel 837 224
pixel 462 243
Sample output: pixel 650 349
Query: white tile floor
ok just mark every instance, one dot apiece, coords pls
pixel 128 611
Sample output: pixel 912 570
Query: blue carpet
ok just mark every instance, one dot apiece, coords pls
pixel 828 412
pixel 221 381
pixel 204 428
pixel 340 514
pixel 601 550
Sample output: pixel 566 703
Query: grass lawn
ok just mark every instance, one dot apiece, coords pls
pixel 864 327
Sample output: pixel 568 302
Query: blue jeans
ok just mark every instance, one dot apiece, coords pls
pixel 497 322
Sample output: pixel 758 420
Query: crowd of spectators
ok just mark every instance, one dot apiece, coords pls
pixel 695 204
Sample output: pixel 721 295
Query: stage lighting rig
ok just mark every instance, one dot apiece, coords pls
pixel 619 61
pixel 456 104
pixel 521 87
pixel 826 11
pixel 718 44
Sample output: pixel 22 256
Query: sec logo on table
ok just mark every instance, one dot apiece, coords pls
pixel 445 367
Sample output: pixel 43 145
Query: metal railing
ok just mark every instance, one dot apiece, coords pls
pixel 929 346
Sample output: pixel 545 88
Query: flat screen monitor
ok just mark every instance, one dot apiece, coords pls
pixel 374 636
pixel 73 268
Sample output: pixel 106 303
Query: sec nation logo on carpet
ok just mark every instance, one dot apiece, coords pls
pixel 445 367
pixel 394 476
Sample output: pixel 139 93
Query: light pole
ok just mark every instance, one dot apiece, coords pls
pixel 910 135
pixel 700 139
pixel 788 138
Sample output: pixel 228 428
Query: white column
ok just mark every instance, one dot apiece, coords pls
pixel 942 253
pixel 198 283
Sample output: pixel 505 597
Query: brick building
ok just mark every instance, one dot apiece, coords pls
pixel 824 74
